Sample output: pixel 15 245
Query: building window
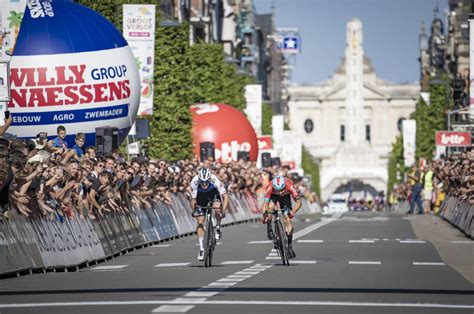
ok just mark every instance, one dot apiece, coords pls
pixel 367 132
pixel 400 124
pixel 343 133
pixel 308 126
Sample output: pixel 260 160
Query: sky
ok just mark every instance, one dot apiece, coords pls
pixel 390 34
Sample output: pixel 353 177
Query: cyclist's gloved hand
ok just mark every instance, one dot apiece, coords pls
pixel 290 214
pixel 264 218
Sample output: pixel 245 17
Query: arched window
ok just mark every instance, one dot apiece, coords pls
pixel 308 126
pixel 400 124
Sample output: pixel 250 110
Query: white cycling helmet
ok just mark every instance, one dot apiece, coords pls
pixel 278 183
pixel 204 175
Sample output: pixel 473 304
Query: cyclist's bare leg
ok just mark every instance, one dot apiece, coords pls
pixel 200 231
pixel 217 207
pixel 289 233
pixel 271 206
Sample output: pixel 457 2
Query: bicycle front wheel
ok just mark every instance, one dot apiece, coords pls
pixel 208 242
pixel 283 243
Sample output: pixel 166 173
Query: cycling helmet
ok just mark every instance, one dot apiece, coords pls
pixel 278 183
pixel 204 175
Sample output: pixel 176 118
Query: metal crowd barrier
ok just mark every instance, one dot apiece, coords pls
pixel 459 213
pixel 32 245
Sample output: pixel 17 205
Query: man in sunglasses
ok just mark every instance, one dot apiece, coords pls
pixel 205 188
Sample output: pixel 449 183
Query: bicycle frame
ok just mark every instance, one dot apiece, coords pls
pixel 209 236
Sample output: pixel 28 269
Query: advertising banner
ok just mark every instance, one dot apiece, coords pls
pixel 291 151
pixel 253 109
pixel 277 127
pixel 409 142
pixel 453 139
pixel 139 31
pixel 11 16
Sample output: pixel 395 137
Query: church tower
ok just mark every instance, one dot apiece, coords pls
pixel 355 83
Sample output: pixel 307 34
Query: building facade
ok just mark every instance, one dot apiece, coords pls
pixel 349 122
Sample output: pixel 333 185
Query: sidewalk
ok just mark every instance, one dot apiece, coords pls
pixel 441 234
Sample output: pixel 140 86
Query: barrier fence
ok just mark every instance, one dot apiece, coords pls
pixel 28 245
pixel 459 213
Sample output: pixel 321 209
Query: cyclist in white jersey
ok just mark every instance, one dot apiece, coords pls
pixel 206 188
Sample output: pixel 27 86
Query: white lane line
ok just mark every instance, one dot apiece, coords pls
pixel 365 262
pixel 172 309
pixel 305 231
pixel 109 267
pixel 247 273
pixel 462 242
pixel 231 279
pixel 238 302
pixel 172 264
pixel 260 242
pixel 428 264
pixel 221 284
pixel 303 262
pixel 272 257
pixel 375 239
pixel 206 294
pixel 236 262
pixel 412 241
pixel 310 241
pixel 218 243
pixel 361 241
pixel 161 245
pixel 240 276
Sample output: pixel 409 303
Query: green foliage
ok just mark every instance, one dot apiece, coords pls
pixel 311 168
pixel 429 119
pixel 396 163
pixel 267 114
pixel 183 75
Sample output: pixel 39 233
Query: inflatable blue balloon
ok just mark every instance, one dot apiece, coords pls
pixel 71 67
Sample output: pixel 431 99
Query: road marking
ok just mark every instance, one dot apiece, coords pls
pixel 218 243
pixel 305 231
pixel 236 262
pixel 361 241
pixel 161 245
pixel 374 239
pixel 303 262
pixel 221 284
pixel 429 263
pixel 412 241
pixel 462 242
pixel 172 264
pixel 109 267
pixel 310 241
pixel 240 276
pixel 272 257
pixel 238 302
pixel 172 309
pixel 231 279
pixel 260 242
pixel 206 294
pixel 365 262
pixel 247 273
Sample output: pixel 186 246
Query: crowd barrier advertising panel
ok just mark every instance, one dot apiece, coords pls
pixel 39 244
pixel 460 214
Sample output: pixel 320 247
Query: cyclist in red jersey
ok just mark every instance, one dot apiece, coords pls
pixel 281 191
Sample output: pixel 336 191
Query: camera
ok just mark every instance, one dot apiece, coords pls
pixel 43 136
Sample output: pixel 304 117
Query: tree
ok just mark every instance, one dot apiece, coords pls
pixel 311 168
pixel 183 75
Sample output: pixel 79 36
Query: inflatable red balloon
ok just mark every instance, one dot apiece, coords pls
pixel 227 128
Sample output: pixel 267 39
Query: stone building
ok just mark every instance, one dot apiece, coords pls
pixel 349 122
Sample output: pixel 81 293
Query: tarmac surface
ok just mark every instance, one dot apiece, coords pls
pixel 359 262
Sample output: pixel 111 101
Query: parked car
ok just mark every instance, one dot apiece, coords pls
pixel 336 203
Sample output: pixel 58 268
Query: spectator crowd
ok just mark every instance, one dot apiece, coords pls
pixel 46 178
pixel 427 186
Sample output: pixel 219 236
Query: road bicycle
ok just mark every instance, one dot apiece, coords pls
pixel 210 235
pixel 280 239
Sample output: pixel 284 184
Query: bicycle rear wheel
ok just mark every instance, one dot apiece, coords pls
pixel 283 243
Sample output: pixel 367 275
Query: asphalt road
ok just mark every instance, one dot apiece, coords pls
pixel 360 262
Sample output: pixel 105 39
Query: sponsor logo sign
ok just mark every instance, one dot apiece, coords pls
pixel 453 139
pixel 265 142
pixel 139 31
